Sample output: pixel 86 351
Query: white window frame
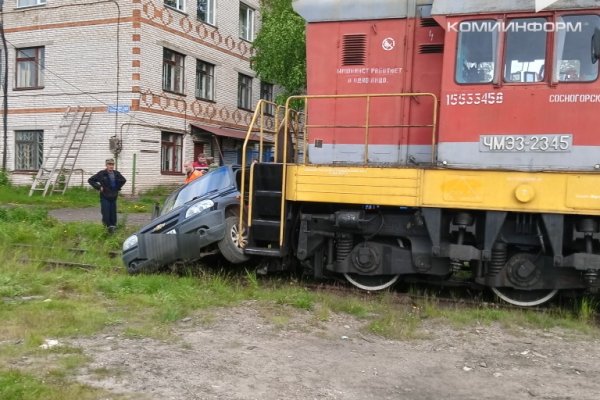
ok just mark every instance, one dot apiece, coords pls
pixel 30 3
pixel 246 22
pixel 211 9
pixel 176 4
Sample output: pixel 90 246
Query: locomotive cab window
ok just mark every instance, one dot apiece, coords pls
pixel 476 53
pixel 573 62
pixel 525 57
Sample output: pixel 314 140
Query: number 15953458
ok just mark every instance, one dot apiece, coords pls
pixel 462 99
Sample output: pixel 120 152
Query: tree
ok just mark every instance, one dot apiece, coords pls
pixel 280 47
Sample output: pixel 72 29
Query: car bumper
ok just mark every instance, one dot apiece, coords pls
pixel 156 250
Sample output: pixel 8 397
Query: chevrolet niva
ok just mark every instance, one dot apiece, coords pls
pixel 196 220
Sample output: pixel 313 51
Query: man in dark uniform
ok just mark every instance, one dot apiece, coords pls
pixel 108 181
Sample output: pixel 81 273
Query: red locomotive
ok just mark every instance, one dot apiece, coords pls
pixel 443 140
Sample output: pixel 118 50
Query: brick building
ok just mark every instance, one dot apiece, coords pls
pixel 165 80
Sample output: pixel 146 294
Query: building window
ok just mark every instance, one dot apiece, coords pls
pixel 176 4
pixel 173 71
pixel 244 92
pixel 170 154
pixel 266 93
pixel 206 11
pixel 205 78
pixel 246 22
pixel 30 68
pixel 30 3
pixel 29 150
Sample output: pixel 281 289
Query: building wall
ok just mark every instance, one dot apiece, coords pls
pixel 88 45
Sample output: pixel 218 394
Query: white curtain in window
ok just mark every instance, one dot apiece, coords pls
pixel 26 71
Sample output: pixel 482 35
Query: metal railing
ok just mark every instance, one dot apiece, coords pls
pixel 300 124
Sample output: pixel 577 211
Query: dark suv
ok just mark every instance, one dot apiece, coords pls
pixel 196 220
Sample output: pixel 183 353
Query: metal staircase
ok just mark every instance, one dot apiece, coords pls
pixel 58 165
pixel 266 210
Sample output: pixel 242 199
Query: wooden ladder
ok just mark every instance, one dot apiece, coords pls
pixel 58 165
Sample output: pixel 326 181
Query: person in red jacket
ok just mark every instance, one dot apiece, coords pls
pixel 200 163
pixel 108 182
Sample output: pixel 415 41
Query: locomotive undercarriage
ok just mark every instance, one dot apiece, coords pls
pixel 524 258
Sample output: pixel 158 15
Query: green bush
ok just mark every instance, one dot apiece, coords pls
pixel 4 180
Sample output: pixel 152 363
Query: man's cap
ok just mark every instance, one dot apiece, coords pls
pixel 110 161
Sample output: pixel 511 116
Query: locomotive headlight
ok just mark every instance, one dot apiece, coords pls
pixel 130 242
pixel 199 207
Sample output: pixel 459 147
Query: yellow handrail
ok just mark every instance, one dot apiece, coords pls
pixel 259 111
pixel 293 117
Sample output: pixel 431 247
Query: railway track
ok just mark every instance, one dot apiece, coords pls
pixel 407 297
pixel 459 296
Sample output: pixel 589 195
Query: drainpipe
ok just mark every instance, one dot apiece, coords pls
pixel 4 87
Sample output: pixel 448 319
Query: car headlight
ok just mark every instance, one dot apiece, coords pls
pixel 199 207
pixel 130 242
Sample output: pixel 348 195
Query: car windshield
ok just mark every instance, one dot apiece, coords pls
pixel 216 180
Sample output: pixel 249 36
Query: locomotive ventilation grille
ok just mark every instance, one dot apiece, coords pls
pixel 428 22
pixel 431 48
pixel 355 50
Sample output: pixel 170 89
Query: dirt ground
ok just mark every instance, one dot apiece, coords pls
pixel 241 355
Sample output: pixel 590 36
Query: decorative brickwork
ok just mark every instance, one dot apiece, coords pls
pixel 205 34
pixel 84 61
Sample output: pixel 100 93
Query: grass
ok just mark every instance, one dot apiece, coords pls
pixel 39 303
pixel 17 385
pixel 75 197
pixel 78 197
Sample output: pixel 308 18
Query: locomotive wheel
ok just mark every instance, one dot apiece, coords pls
pixel 371 283
pixel 524 298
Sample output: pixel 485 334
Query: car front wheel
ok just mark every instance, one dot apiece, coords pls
pixel 235 240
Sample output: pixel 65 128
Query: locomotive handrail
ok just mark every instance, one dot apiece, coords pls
pixel 258 112
pixel 366 126
pixel 371 126
pixel 292 115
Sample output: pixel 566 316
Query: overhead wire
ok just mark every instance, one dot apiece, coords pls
pixel 81 91
pixel 142 122
pixel 84 93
